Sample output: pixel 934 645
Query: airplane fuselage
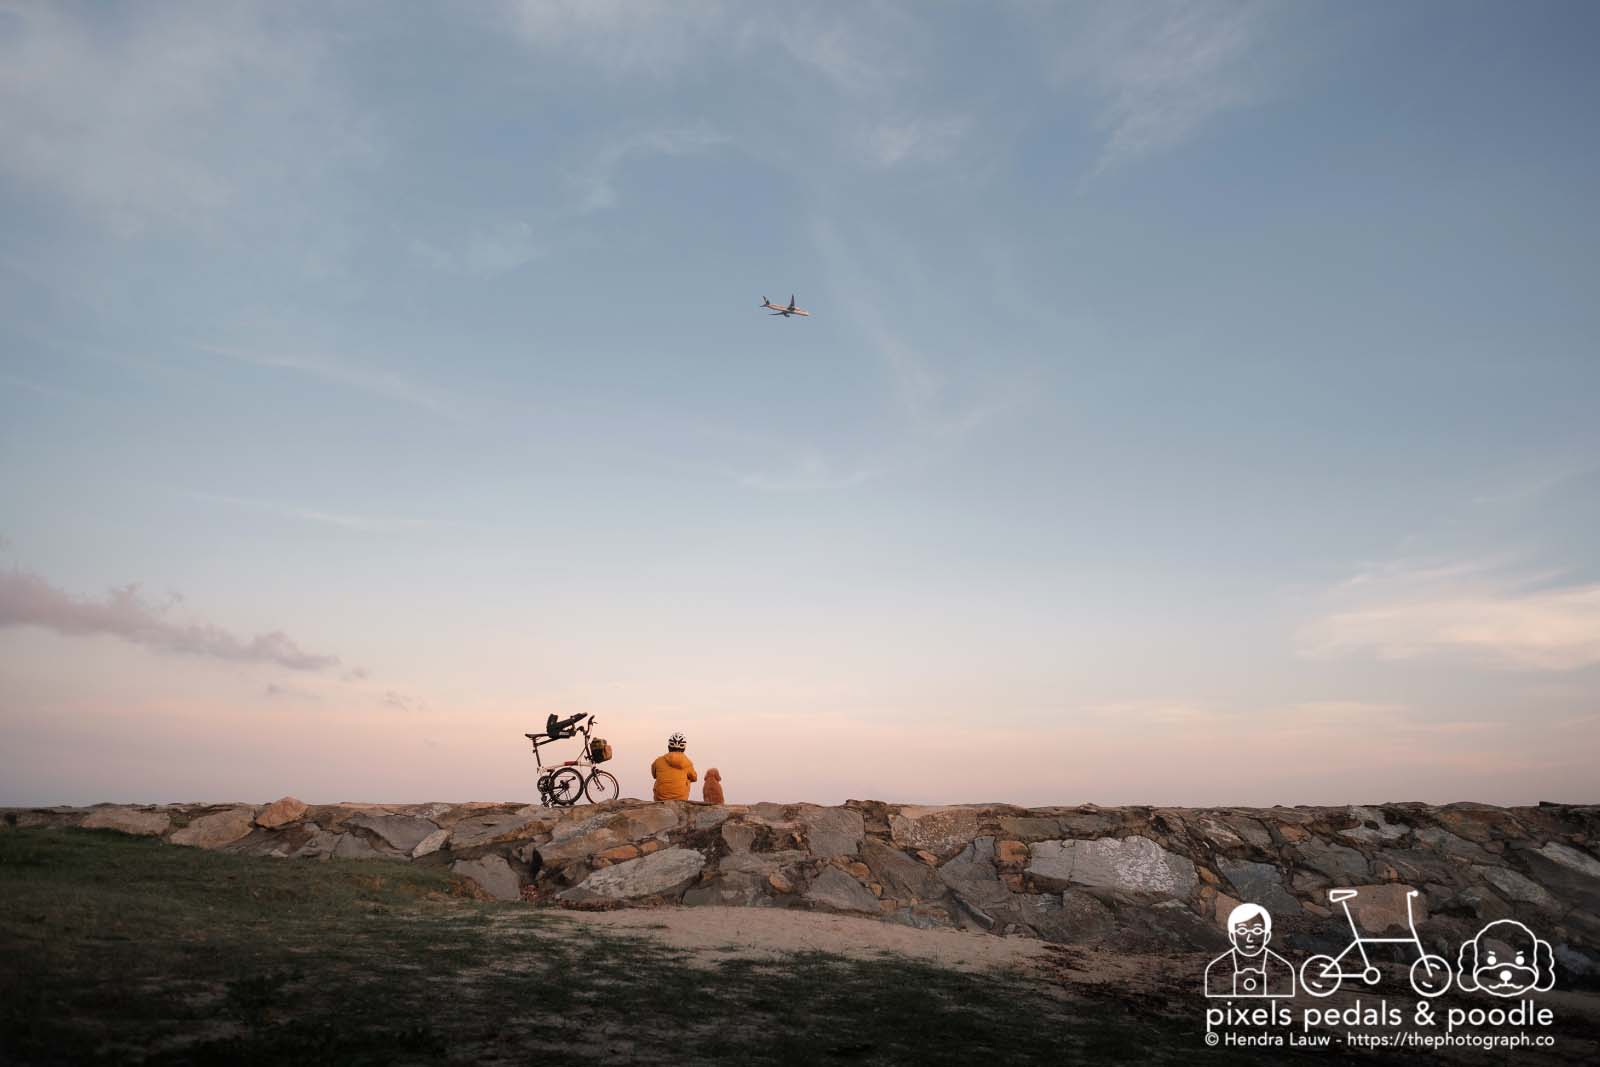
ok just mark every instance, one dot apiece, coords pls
pixel 779 309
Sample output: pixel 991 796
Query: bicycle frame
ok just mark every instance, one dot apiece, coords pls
pixel 1360 943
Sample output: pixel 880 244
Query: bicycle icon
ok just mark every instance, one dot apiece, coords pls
pixel 1322 975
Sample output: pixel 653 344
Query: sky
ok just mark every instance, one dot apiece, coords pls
pixel 1197 407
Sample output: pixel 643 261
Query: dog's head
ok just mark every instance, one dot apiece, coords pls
pixel 1506 960
pixel 713 775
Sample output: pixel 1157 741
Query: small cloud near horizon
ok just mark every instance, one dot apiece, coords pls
pixel 29 600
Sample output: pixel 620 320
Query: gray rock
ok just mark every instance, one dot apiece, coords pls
pixel 1131 864
pixel 738 836
pixel 430 844
pixel 1447 843
pixel 1091 823
pixel 1417 865
pixel 1381 830
pixel 709 818
pixel 1031 828
pixel 402 833
pixel 477 831
pixel 1259 883
pixel 1065 917
pixel 831 831
pixel 762 863
pixel 835 889
pixel 729 889
pixel 943 831
pixel 901 876
pixel 972 877
pixel 128 821
pixel 1568 874
pixel 658 874
pixel 217 829
pixel 355 847
pixel 1250 829
pixel 1480 903
pixel 1514 886
pixel 319 846
pixel 1344 866
pixel 493 874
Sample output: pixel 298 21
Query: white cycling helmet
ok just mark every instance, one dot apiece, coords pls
pixel 677 743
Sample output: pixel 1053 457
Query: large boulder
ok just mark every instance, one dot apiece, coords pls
pixel 128 821
pixel 901 876
pixel 217 829
pixel 730 889
pixel 430 844
pixel 976 883
pixel 831 831
pixel 658 874
pixel 493 874
pixel 1340 865
pixel 1131 864
pixel 494 828
pixel 835 889
pixel 403 833
pixel 1066 917
pixel 1259 883
pixel 943 831
pixel 281 813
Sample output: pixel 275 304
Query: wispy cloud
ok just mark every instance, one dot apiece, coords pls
pixel 1160 72
pixel 343 520
pixel 920 139
pixel 141 119
pixel 1468 612
pixel 28 600
pixel 483 253
pixel 376 381
pixel 595 179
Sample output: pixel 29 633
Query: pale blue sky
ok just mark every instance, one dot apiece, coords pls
pixel 1199 398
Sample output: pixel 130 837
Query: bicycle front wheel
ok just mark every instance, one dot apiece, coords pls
pixel 601 787
pixel 566 786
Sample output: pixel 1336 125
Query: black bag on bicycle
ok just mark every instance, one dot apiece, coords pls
pixel 599 750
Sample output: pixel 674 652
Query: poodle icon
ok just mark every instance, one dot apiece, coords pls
pixel 1506 959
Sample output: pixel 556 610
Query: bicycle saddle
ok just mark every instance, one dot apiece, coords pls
pixel 1336 895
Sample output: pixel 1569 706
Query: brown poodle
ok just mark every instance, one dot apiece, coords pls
pixel 711 792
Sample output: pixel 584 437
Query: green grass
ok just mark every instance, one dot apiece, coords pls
pixel 116 949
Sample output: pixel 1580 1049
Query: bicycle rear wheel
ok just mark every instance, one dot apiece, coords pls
pixel 601 787
pixel 566 786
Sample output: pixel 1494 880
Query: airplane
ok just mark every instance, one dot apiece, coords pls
pixel 779 309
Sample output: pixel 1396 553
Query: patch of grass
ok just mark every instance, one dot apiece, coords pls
pixel 116 949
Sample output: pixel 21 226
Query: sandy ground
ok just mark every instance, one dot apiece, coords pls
pixel 717 933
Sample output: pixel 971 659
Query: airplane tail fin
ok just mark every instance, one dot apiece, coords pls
pixel 765 301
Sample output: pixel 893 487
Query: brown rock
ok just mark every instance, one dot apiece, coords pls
pixel 1206 876
pixel 128 821
pixel 877 890
pixel 215 830
pixel 859 870
pixel 779 883
pixel 281 813
pixel 648 847
pixel 618 854
pixel 927 857
pixel 1010 854
pixel 1291 833
pixel 1222 907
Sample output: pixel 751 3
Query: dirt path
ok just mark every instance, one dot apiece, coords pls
pixel 719 933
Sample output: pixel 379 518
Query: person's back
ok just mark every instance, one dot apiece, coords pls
pixel 673 772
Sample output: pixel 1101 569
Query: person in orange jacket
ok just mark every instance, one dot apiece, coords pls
pixel 673 772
